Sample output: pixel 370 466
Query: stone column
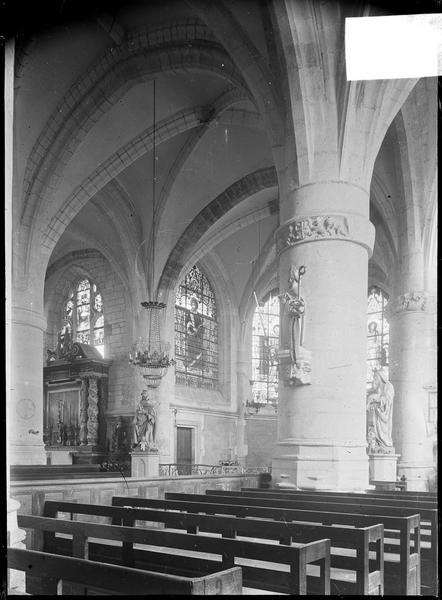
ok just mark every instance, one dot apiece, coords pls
pixel 243 390
pixel 321 425
pixel 92 411
pixel 16 536
pixel 25 383
pixel 412 367
pixel 83 411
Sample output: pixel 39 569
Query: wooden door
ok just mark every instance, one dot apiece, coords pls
pixel 184 454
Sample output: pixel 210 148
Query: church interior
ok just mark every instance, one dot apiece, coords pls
pixel 221 305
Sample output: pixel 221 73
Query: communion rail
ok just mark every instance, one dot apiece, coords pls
pixel 224 468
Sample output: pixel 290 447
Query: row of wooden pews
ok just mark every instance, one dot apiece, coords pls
pixel 423 503
pixel 402 549
pixel 274 567
pixel 284 541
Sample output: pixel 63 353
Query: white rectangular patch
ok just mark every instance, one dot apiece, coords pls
pixel 393 47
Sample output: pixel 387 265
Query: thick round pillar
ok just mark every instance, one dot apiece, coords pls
pixel 412 359
pixel 25 397
pixel 321 425
pixel 243 392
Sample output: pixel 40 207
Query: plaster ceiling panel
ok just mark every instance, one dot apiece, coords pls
pixel 132 115
pixel 387 187
pixel 45 70
pixel 137 14
pixel 248 14
pixel 240 252
pixel 224 155
pixel 137 179
pixel 91 228
pixel 247 208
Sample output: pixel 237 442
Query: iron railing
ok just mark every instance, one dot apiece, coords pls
pixel 224 468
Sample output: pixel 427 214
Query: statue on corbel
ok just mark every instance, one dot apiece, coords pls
pixel 295 361
pixel 145 425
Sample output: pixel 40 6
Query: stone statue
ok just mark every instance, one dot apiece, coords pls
pixel 296 308
pixel 295 362
pixel 380 414
pixel 145 423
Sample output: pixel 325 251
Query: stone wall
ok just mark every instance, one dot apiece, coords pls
pixel 261 435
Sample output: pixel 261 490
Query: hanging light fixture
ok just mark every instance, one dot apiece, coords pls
pixel 151 356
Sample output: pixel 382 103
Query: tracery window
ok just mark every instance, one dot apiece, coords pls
pixel 377 332
pixel 196 332
pixel 265 341
pixel 83 314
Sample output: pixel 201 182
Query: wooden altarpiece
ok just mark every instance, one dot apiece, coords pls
pixel 75 401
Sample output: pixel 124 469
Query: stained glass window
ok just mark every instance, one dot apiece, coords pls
pixel 377 332
pixel 265 341
pixel 83 315
pixel 196 332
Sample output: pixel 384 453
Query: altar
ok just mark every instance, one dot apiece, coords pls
pixel 75 400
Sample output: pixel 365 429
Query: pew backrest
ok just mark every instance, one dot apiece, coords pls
pixel 347 497
pixel 115 578
pixel 297 557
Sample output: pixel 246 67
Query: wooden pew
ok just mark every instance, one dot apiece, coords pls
pixel 358 539
pixel 266 577
pixel 410 495
pixel 427 510
pixel 396 571
pixel 402 570
pixel 114 579
pixel 398 497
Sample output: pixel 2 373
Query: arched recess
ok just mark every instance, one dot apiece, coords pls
pixel 117 301
pixel 233 195
pixel 228 322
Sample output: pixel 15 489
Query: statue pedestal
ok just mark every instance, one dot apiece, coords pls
pixel 382 467
pixel 145 463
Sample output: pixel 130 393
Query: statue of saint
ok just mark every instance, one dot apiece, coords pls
pixel 380 414
pixel 145 423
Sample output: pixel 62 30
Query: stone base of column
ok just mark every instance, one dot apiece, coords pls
pixel 16 579
pixel 419 479
pixel 383 467
pixel 29 454
pixel 145 464
pixel 320 467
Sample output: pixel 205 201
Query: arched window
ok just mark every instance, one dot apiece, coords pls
pixel 196 332
pixel 377 332
pixel 83 314
pixel 265 341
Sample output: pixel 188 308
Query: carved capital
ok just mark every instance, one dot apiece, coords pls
pixel 312 228
pixel 415 301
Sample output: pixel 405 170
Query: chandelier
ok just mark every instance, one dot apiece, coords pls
pixel 150 356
